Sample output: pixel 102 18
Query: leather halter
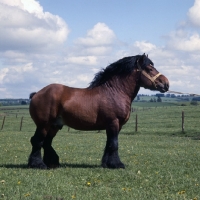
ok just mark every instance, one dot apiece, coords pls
pixel 152 79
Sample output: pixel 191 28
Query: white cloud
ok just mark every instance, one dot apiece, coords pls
pixel 194 14
pixel 97 43
pixel 144 46
pixel 186 37
pixel 184 41
pixel 3 73
pixel 82 60
pixel 84 77
pixel 31 6
pixel 15 73
pixel 23 24
pixel 99 35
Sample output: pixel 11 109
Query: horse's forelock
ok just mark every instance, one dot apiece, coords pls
pixel 146 61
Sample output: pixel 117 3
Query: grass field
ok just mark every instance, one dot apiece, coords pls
pixel 161 161
pixel 167 99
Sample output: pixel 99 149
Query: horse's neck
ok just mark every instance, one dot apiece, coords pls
pixel 127 86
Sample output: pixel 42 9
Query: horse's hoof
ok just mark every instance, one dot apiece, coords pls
pixel 36 163
pixel 40 166
pixel 53 166
pixel 121 166
pixel 113 166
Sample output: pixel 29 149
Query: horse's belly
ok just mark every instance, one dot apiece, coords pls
pixel 83 122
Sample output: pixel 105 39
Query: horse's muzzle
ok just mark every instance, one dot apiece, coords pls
pixel 163 87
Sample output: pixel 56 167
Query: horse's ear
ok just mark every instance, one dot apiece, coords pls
pixel 141 59
pixel 144 55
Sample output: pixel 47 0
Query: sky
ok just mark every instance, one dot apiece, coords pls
pixel 68 41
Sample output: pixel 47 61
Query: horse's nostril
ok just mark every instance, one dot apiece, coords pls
pixel 167 86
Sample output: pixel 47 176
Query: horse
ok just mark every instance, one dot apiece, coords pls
pixel 104 105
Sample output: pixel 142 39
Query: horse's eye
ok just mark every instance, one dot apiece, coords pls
pixel 150 68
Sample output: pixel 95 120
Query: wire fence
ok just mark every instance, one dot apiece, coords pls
pixel 167 119
pixel 153 119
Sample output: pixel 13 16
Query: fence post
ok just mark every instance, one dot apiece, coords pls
pixel 3 122
pixel 21 124
pixel 136 123
pixel 182 121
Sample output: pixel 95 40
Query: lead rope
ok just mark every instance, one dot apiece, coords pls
pixel 174 92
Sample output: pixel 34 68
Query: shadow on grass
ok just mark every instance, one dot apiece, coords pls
pixel 189 134
pixel 62 165
pixel 11 166
pixel 66 165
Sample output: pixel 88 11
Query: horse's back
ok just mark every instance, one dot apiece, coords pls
pixel 74 107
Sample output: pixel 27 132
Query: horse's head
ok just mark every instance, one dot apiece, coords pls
pixel 150 77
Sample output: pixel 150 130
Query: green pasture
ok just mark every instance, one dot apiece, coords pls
pixel 162 162
pixel 166 101
pixel 141 104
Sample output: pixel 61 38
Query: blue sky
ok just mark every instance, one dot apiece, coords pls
pixel 67 42
pixel 131 20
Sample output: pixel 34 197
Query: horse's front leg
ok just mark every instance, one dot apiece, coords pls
pixel 111 158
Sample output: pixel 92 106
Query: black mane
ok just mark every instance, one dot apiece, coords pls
pixel 122 67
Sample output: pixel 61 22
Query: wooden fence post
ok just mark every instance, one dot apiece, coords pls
pixel 21 123
pixel 182 121
pixel 136 123
pixel 3 122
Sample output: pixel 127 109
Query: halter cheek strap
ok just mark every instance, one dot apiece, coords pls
pixel 152 79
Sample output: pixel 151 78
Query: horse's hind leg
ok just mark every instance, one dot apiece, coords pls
pixel 51 159
pixel 35 158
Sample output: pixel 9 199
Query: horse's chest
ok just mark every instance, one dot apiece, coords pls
pixel 125 118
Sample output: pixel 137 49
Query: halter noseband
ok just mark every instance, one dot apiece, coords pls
pixel 152 79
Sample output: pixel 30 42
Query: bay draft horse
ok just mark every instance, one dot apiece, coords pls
pixel 105 104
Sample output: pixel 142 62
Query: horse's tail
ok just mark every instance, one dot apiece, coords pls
pixel 31 95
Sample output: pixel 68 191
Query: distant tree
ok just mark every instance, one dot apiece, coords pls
pixel 173 95
pixel 159 99
pixel 196 99
pixel 23 103
pixel 138 98
pixel 160 95
pixel 151 100
pixel 194 103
